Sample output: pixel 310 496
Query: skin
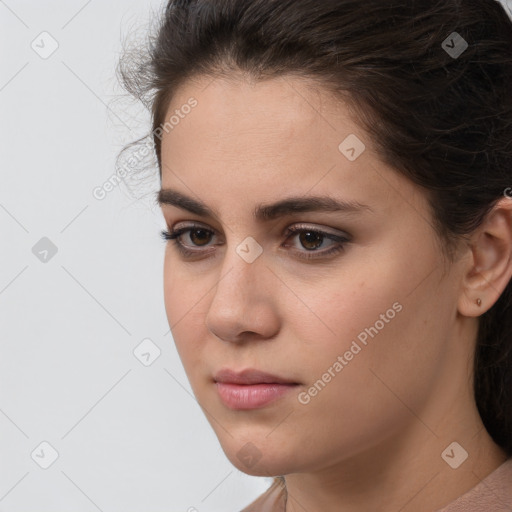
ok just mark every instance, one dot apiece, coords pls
pixel 372 439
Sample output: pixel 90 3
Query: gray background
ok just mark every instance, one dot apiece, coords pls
pixel 128 433
pixel 130 437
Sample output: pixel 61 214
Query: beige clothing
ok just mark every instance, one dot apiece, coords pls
pixel 492 494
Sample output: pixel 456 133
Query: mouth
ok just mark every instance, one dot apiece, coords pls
pixel 251 389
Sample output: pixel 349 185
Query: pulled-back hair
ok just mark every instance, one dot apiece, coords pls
pixel 442 120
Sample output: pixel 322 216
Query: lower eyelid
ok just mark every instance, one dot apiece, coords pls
pixel 178 233
pixel 339 244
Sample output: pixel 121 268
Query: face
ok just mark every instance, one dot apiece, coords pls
pixel 353 306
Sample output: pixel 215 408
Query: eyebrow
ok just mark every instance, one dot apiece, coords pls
pixel 264 212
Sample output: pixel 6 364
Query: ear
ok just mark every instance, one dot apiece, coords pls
pixel 489 268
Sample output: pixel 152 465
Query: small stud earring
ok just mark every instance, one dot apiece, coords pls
pixel 479 302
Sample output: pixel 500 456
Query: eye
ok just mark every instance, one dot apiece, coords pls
pixel 311 239
pixel 197 234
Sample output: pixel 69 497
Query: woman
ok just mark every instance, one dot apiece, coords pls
pixel 336 183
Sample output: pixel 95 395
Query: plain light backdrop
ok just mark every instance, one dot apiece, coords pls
pixel 129 437
pixel 81 287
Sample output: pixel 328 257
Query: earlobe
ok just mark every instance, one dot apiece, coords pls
pixel 469 306
pixel 490 268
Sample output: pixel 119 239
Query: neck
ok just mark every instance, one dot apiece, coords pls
pixel 412 480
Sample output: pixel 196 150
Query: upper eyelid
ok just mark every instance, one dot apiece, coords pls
pixel 298 226
pixel 339 241
pixel 290 232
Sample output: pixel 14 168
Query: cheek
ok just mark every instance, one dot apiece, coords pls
pixel 184 289
pixel 355 303
pixel 360 400
pixel 184 298
pixel 174 308
pixel 388 334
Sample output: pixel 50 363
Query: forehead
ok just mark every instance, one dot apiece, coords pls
pixel 271 115
pixel 282 123
pixel 255 142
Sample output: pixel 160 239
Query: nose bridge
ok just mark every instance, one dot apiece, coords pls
pixel 242 270
pixel 239 303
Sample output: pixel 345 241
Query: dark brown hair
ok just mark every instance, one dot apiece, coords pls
pixel 442 120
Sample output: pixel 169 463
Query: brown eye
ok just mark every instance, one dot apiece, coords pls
pixel 311 240
pixel 308 242
pixel 200 237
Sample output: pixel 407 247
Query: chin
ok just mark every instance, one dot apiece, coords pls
pixel 254 459
pixel 262 468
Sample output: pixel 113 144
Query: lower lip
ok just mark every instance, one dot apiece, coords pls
pixel 253 396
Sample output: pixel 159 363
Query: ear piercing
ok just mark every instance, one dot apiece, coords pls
pixel 479 302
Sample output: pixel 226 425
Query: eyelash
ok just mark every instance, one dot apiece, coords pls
pixel 187 253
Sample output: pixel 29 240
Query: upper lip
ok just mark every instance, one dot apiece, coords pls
pixel 249 376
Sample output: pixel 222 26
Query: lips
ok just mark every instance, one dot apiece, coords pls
pixel 249 377
pixel 251 389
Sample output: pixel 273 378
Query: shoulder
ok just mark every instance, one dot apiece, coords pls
pixel 272 500
pixel 494 493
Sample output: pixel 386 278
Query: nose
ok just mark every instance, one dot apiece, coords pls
pixel 245 304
